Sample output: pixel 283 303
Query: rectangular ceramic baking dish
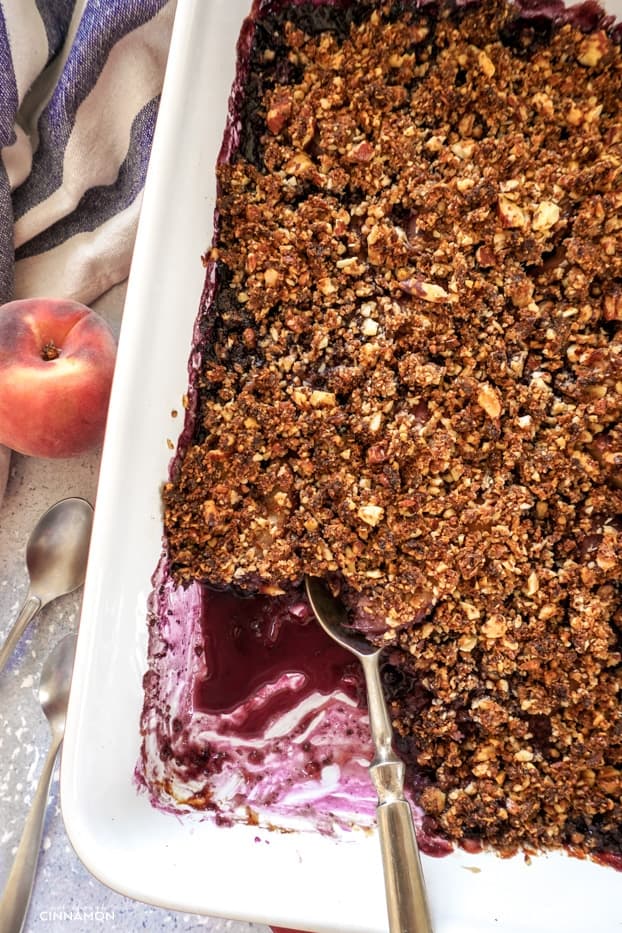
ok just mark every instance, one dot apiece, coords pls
pixel 303 880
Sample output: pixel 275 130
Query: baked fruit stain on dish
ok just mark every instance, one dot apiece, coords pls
pixel 250 643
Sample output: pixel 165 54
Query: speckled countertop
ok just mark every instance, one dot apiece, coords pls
pixel 66 897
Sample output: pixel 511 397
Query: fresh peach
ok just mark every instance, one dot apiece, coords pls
pixel 56 363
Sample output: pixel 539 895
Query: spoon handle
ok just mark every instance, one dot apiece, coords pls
pixel 403 876
pixel 407 903
pixel 26 615
pixel 16 896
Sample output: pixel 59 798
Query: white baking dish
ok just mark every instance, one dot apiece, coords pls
pixel 302 880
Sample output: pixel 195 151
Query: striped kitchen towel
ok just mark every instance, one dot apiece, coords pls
pixel 80 83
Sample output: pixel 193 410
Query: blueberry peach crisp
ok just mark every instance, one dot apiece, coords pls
pixel 411 385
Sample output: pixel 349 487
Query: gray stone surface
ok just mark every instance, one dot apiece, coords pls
pixel 66 897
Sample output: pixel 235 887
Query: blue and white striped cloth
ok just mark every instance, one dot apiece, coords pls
pixel 80 83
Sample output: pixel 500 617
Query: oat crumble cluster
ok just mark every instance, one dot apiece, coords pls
pixel 412 384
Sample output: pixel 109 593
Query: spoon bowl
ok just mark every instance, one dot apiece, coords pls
pixel 54 689
pixel 333 617
pixel 56 558
pixel 407 904
pixel 55 683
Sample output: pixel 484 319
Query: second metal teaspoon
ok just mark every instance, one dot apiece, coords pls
pixel 54 697
pixel 56 557
pixel 407 904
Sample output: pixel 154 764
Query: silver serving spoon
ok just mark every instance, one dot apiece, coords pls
pixel 56 557
pixel 54 697
pixel 407 904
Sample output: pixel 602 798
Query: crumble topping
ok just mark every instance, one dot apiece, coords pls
pixel 411 384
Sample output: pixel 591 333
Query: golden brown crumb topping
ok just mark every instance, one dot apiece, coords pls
pixel 414 386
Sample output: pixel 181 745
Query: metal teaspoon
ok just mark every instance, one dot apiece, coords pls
pixel 56 557
pixel 407 904
pixel 54 697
